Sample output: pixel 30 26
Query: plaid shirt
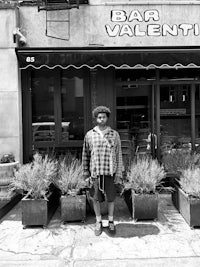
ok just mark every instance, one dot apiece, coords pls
pixel 102 154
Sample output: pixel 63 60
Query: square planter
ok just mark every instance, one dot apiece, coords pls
pixel 38 212
pixel 189 208
pixel 73 208
pixel 142 206
pixel 175 196
pixel 128 199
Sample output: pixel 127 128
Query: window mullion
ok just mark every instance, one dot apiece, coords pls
pixel 193 116
pixel 57 107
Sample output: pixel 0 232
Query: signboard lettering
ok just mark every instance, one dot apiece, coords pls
pixel 136 23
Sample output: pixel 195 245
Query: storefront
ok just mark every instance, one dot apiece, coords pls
pixel 154 109
pixel 141 61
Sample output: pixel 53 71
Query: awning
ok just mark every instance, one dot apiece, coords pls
pixel 105 58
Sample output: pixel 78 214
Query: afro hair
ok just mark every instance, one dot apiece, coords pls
pixel 101 109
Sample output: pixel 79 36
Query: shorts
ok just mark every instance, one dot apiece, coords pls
pixel 109 189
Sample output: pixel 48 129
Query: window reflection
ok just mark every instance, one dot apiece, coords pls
pixel 175 115
pixel 72 101
pixel 133 111
pixel 43 124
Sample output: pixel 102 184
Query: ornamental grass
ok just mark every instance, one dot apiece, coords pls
pixel 178 160
pixel 144 175
pixel 70 175
pixel 36 177
pixel 190 181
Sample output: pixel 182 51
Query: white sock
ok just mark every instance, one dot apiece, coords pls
pixel 110 218
pixel 98 218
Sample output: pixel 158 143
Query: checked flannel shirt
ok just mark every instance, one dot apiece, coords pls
pixel 102 154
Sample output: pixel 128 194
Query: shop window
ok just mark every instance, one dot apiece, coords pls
pixel 175 117
pixel 179 74
pixel 57 107
pixel 133 111
pixel 72 107
pixel 197 93
pixel 43 118
pixel 135 75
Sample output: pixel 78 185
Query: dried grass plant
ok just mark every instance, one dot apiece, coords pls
pixel 144 175
pixel 35 177
pixel 70 176
pixel 179 160
pixel 190 182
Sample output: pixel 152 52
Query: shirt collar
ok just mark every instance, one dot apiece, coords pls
pixel 96 129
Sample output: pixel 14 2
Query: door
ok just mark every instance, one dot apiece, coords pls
pixel 135 115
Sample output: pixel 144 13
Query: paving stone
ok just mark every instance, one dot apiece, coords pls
pixel 46 263
pixel 195 244
pixel 75 244
pixel 164 262
pixel 96 249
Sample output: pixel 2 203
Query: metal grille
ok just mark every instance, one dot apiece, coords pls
pixel 59 4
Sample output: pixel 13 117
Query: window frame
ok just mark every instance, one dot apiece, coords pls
pixel 28 145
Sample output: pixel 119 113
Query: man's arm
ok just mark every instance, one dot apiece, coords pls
pixel 86 158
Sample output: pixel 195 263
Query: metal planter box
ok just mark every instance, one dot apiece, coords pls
pixel 38 212
pixel 189 208
pixel 175 196
pixel 73 208
pixel 144 206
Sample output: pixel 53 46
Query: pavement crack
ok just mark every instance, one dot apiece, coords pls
pixel 26 253
pixel 73 246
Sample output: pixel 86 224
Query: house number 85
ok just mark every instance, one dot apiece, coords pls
pixel 30 59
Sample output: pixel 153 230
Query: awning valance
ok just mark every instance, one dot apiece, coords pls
pixel 105 58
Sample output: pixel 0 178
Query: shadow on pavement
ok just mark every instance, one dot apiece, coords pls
pixel 128 230
pixel 14 214
pixel 122 214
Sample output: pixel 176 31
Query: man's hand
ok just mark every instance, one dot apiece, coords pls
pixel 86 175
pixel 118 180
pixel 88 182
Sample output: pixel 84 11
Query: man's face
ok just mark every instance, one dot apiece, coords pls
pixel 102 119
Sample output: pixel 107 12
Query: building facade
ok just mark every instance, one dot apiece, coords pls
pixel 140 59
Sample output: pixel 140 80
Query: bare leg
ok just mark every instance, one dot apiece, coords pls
pixel 111 226
pixel 97 208
pixel 111 207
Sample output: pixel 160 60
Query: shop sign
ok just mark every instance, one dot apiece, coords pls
pixel 146 23
pixel 114 26
pixel 173 111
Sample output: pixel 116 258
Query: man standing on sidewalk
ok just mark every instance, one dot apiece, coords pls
pixel 102 165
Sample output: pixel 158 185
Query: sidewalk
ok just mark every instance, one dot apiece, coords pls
pixel 167 242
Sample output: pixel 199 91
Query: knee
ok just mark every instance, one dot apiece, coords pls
pixel 95 201
pixel 111 202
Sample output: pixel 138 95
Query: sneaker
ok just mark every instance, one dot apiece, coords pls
pixel 111 228
pixel 98 228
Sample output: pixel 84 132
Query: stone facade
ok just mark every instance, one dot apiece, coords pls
pixel 10 94
pixel 91 25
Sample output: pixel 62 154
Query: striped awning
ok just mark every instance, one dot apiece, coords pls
pixel 138 58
